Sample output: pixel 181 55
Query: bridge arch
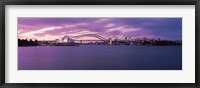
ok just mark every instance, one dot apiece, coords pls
pixel 72 38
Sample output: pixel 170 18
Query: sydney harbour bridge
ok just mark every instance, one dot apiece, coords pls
pixel 72 39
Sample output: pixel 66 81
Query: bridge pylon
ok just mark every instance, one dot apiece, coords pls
pixel 110 41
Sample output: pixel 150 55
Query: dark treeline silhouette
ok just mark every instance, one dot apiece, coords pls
pixel 25 42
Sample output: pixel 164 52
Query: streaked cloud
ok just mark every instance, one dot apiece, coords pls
pixel 20 31
pixel 102 20
pixel 123 29
pixel 75 25
pixel 31 33
pixel 51 28
pixel 109 25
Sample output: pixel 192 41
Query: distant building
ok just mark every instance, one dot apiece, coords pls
pixel 110 41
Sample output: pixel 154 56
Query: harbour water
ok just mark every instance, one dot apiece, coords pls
pixel 100 57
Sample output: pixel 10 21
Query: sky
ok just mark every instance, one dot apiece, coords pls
pixel 115 28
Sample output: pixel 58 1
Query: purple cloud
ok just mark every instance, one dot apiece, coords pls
pixel 52 28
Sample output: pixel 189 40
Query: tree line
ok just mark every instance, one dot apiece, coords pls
pixel 25 42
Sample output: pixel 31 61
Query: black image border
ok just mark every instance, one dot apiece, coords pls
pixel 3 3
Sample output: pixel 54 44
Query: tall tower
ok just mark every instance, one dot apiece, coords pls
pixel 81 42
pixel 110 41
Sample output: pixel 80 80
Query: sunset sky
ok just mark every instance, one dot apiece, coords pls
pixel 56 28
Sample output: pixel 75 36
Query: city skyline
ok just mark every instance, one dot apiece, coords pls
pixel 56 28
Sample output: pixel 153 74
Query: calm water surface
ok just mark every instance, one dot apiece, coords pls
pixel 100 57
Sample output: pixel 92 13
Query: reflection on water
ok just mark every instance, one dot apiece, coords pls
pixel 102 57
